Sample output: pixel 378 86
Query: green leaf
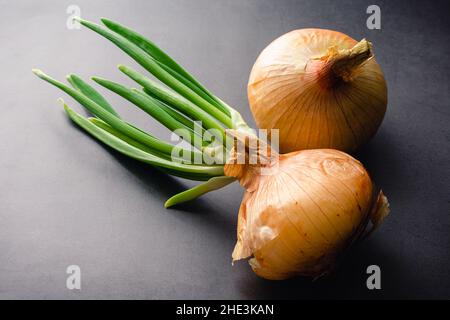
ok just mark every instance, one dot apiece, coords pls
pixel 170 65
pixel 151 65
pixel 103 125
pixel 195 192
pixel 181 118
pixel 109 118
pixel 207 96
pixel 148 104
pixel 182 170
pixel 91 93
pixel 173 99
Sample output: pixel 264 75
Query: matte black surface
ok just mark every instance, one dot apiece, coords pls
pixel 65 199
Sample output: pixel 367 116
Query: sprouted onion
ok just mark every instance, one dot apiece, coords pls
pixel 320 88
pixel 300 210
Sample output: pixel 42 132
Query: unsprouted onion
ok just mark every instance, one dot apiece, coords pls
pixel 321 88
pixel 300 210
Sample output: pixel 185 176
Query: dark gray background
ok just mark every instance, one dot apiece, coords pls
pixel 65 199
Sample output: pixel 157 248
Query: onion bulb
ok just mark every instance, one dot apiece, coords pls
pixel 303 211
pixel 320 88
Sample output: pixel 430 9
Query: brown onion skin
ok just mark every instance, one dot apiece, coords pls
pixel 290 89
pixel 300 218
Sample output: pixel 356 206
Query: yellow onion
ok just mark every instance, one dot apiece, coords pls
pixel 321 88
pixel 300 213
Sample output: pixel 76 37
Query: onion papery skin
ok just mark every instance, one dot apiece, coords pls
pixel 298 219
pixel 292 87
